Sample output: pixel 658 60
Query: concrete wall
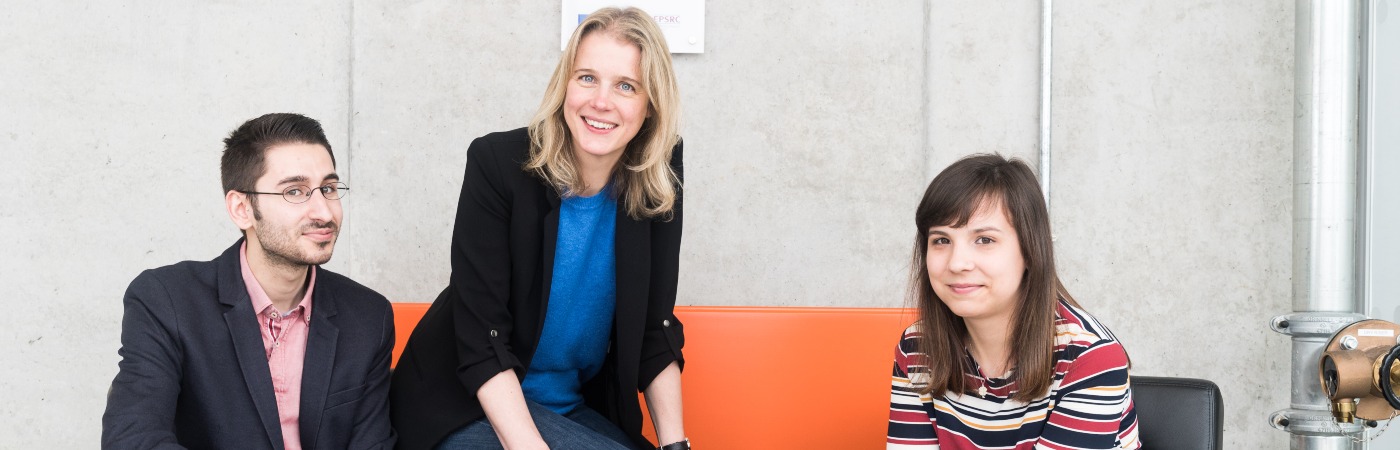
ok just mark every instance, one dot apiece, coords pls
pixel 810 131
pixel 111 117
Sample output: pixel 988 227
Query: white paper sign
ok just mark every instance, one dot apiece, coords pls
pixel 1368 332
pixel 682 21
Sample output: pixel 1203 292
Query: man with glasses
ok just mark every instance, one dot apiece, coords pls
pixel 259 348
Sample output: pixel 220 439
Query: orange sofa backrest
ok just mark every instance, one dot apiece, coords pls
pixel 406 317
pixel 775 377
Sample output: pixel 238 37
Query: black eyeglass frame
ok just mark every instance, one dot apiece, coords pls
pixel 339 188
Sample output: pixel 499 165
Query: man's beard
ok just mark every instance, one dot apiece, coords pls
pixel 281 248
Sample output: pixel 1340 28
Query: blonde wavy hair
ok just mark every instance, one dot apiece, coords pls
pixel 644 180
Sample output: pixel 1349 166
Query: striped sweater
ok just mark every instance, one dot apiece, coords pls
pixel 1089 404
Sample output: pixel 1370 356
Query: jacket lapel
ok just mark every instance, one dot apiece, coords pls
pixel 319 362
pixel 550 242
pixel 632 251
pixel 246 335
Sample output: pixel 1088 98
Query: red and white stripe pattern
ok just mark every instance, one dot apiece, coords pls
pixel 1089 404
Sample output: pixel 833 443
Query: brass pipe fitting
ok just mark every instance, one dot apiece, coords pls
pixel 1351 371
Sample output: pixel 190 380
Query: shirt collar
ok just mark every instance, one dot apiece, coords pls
pixel 261 302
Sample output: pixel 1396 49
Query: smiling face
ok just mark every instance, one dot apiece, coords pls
pixel 976 269
pixel 604 104
pixel 297 234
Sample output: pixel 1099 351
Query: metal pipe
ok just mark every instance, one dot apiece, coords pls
pixel 925 106
pixel 1327 71
pixel 1366 154
pixel 1321 443
pixel 1046 53
pixel 1326 82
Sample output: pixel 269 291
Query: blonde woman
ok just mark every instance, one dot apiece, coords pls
pixel 564 262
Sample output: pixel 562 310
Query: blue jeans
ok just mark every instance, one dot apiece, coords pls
pixel 581 429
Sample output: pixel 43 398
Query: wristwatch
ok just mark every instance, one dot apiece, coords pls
pixel 683 444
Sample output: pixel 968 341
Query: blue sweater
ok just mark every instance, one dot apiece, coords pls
pixel 582 297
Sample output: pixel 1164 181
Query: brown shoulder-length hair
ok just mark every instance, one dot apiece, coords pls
pixel 972 183
pixel 644 180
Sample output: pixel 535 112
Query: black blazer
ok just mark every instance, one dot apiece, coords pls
pixel 194 373
pixel 490 317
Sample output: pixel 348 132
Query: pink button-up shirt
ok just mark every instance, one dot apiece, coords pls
pixel 284 340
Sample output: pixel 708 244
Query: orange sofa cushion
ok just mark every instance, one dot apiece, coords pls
pixel 775 377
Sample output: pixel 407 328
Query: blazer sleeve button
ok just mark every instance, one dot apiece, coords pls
pixel 493 333
pixel 666 322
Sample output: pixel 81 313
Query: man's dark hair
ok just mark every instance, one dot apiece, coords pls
pixel 244 149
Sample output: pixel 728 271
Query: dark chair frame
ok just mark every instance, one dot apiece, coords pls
pixel 1178 413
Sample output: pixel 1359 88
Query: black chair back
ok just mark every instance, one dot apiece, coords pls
pixel 1178 413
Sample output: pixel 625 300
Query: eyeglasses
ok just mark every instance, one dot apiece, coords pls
pixel 300 194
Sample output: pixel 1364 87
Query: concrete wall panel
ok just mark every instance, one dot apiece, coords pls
pixel 110 131
pixel 429 78
pixel 983 88
pixel 1172 196
pixel 804 144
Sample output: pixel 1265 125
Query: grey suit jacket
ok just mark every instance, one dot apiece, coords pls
pixel 194 373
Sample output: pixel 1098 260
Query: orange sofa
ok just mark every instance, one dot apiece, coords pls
pixel 775 377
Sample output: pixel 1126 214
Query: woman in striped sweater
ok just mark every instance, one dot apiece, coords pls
pixel 1001 357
